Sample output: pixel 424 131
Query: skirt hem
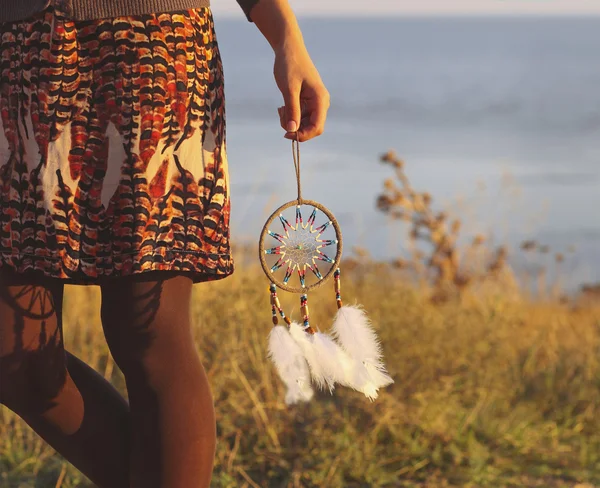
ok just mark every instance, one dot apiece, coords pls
pixel 155 264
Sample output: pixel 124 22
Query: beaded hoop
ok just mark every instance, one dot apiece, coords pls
pixel 299 246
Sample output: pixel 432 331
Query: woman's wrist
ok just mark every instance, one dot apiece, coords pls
pixel 289 44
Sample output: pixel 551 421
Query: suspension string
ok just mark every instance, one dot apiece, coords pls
pixel 296 155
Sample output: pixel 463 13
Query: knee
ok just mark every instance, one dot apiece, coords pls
pixel 161 363
pixel 147 328
pixel 154 357
pixel 32 380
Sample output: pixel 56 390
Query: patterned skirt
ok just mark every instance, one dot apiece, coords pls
pixel 112 153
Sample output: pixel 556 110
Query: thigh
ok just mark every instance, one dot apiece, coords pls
pixel 146 318
pixel 32 355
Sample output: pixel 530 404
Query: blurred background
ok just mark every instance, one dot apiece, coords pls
pixel 462 159
pixel 476 96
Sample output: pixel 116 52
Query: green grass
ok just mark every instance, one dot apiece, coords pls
pixel 491 390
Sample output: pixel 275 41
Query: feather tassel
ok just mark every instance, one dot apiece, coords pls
pixel 354 374
pixel 290 364
pixel 353 330
pixel 319 366
pixel 333 359
pixel 339 367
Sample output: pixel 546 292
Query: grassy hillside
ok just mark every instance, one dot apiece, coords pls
pixel 491 390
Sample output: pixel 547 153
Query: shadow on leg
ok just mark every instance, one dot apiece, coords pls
pixel 66 402
pixel 147 327
pixel 32 358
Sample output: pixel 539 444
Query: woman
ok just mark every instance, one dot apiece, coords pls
pixel 113 172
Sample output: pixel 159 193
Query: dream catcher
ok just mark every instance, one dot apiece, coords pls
pixel 300 249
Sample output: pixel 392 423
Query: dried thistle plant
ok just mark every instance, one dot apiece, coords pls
pixel 446 266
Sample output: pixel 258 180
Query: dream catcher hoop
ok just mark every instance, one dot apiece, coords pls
pixel 300 249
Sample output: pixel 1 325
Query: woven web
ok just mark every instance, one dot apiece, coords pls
pixel 303 249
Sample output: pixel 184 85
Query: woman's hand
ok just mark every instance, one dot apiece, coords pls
pixel 305 96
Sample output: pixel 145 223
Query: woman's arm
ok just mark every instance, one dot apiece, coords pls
pixel 305 96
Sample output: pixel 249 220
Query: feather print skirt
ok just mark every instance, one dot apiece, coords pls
pixel 112 153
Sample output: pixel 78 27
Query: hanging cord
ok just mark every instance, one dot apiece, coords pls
pixel 296 154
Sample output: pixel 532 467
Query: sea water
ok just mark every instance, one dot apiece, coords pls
pixel 498 118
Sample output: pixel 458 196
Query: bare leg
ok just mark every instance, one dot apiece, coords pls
pixel 147 327
pixel 66 402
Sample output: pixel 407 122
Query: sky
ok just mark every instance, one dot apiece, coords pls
pixel 428 7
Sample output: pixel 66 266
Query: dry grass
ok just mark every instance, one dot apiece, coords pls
pixel 492 388
pixel 490 391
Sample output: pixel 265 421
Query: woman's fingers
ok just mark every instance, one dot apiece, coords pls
pixel 281 112
pixel 314 116
pixel 304 121
pixel 318 117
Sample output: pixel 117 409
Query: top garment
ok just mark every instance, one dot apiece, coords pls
pixel 11 10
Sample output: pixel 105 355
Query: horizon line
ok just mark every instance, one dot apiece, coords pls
pixel 408 15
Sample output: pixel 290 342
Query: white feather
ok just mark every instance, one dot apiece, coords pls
pixel 355 375
pixel 297 394
pixel 328 353
pixel 370 391
pixel 344 369
pixel 359 376
pixel 379 376
pixel 353 330
pixel 318 366
pixel 290 364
